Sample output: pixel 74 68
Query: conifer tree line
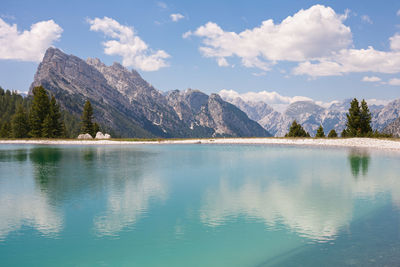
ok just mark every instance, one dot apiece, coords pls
pixel 88 126
pixel 358 124
pixel 37 116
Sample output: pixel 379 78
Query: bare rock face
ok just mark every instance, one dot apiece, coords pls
pixel 386 115
pixel 310 115
pixel 85 136
pixel 212 114
pixel 393 128
pixel 123 101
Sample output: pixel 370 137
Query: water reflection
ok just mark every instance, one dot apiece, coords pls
pixel 34 193
pixel 19 155
pixel 317 203
pixel 127 204
pixel 130 188
pixel 45 163
pixel 310 209
pixel 359 160
pixel 23 205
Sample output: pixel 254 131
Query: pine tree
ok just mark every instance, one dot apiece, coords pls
pixel 296 130
pixel 332 134
pixel 87 116
pixel 5 131
pixel 56 125
pixel 320 132
pixel 39 110
pixel 64 132
pixel 47 131
pixel 96 128
pixel 344 133
pixel 366 128
pixel 353 119
pixel 20 123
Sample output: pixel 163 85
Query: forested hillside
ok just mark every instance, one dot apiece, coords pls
pixel 21 118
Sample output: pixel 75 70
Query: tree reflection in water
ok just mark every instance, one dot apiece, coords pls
pixel 45 161
pixel 359 160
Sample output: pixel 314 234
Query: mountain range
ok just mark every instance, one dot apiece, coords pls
pixel 311 115
pixel 127 105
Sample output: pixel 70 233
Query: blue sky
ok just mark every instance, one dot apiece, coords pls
pixel 280 58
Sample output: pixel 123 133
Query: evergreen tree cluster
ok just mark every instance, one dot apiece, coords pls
pixel 37 116
pixel 358 120
pixel 88 126
pixel 358 124
pixel 44 116
pixel 10 103
pixel 320 132
pixel 296 130
pixel 332 134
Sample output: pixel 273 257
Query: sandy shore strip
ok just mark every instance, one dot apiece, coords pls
pixel 386 144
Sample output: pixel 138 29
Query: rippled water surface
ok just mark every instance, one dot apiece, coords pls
pixel 198 205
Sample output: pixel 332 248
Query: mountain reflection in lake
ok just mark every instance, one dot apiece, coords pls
pixel 238 205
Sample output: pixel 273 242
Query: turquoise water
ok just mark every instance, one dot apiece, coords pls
pixel 198 205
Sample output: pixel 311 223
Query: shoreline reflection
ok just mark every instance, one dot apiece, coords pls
pixel 359 160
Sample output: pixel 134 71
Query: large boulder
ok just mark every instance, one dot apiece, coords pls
pixel 100 135
pixel 85 136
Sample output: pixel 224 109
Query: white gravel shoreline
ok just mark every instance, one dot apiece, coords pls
pixel 385 144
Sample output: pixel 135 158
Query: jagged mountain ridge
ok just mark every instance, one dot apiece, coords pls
pixel 393 128
pixel 196 108
pixel 310 115
pixel 124 102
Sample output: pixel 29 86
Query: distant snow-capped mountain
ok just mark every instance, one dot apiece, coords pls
pixel 310 115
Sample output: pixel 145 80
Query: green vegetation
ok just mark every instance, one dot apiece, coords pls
pixel 44 116
pixel 36 116
pixel 332 134
pixel 88 126
pixel 358 120
pixel 20 123
pixel 296 130
pixel 320 132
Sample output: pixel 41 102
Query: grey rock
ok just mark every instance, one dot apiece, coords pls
pixel 393 128
pixel 100 135
pixel 85 136
pixel 125 103
pixel 213 115
pixel 388 114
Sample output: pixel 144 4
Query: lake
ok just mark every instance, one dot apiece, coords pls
pixel 198 205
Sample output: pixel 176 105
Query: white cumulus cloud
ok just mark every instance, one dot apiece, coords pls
pixel 309 34
pixel 366 19
pixel 162 5
pixel 371 79
pixel 353 60
pixel 394 81
pixel 316 38
pixel 127 44
pixel 176 17
pixel 29 45
pixel 395 42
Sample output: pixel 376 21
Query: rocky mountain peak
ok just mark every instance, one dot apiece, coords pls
pixel 95 62
pixel 125 102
